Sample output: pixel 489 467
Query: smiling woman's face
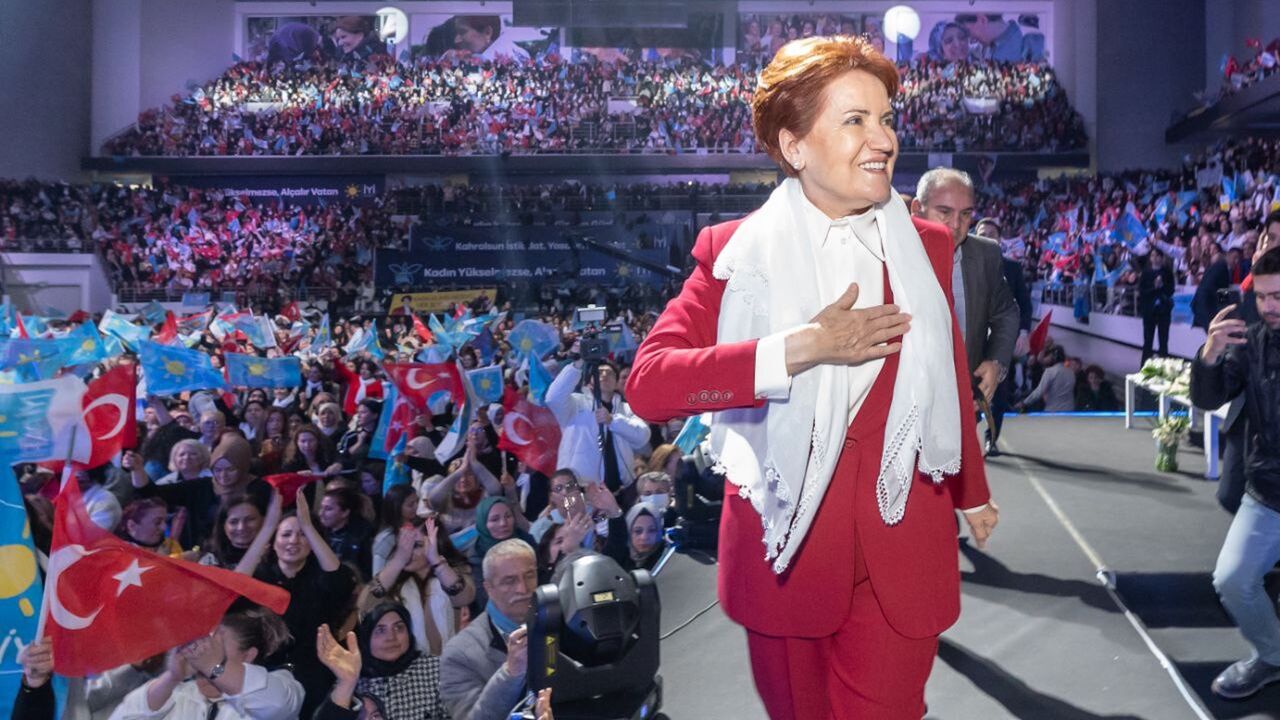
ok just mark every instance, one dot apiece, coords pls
pixel 847 158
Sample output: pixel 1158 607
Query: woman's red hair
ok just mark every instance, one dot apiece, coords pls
pixel 790 91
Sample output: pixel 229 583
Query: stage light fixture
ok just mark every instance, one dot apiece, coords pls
pixel 593 639
pixel 901 20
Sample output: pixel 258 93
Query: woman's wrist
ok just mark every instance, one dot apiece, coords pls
pixel 800 350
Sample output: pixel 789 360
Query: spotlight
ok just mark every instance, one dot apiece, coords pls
pixel 901 20
pixel 593 639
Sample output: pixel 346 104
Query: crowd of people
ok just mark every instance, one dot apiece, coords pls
pixel 179 238
pixel 411 568
pixel 1099 237
pixel 1237 75
pixel 986 105
pixel 462 106
pixel 1072 232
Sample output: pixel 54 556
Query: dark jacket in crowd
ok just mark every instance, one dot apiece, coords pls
pixel 354 543
pixel 1017 282
pixel 1204 304
pixel 34 703
pixel 1153 300
pixel 991 315
pixel 1252 369
pixel 316 597
pixel 1102 401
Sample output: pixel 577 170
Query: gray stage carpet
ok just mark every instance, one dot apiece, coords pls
pixel 1040 637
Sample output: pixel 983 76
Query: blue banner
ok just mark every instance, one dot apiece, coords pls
pixel 532 337
pixel 472 255
pixel 83 346
pixel 539 381
pixel 170 370
pixel 254 371
pixel 486 384
pixel 20 587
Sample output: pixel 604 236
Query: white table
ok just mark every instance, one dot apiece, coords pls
pixel 1210 420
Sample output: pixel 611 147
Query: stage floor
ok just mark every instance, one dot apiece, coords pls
pixel 1040 637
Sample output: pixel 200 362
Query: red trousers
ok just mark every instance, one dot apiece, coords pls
pixel 865 671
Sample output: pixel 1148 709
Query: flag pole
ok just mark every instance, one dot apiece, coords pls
pixel 66 476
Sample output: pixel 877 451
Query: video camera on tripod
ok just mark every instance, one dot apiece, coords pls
pixel 593 347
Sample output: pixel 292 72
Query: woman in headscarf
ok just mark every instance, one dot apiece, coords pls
pixel 496 520
pixel 456 496
pixel 328 418
pixel 393 670
pixel 645 541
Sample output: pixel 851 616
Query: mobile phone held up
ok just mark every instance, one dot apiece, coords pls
pixel 1230 296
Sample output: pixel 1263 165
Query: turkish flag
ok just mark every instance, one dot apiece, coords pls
pixel 418 382
pixel 169 332
pixel 1040 334
pixel 108 409
pixel 109 414
pixel 403 413
pixel 532 434
pixel 108 603
pixel 292 311
pixel 421 331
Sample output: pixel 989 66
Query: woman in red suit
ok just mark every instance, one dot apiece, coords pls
pixel 819 332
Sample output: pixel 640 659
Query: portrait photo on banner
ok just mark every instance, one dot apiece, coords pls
pixel 479 35
pixel 292 40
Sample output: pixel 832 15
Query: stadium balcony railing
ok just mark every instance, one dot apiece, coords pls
pixel 482 167
pixel 134 293
pixel 1118 300
pixel 409 204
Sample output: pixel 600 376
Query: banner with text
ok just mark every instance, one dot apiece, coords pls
pixel 295 189
pixel 478 255
pixel 434 302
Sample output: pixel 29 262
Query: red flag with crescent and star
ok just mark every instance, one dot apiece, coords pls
pixel 108 409
pixel 109 413
pixel 531 433
pixel 108 603
pixel 418 382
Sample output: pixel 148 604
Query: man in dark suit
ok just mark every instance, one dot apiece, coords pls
pixel 990 229
pixel 985 308
pixel 1155 302
pixel 1227 271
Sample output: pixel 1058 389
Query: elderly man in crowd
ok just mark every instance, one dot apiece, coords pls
pixel 984 306
pixel 482 672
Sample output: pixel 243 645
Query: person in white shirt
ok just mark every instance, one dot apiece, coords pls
pixel 214 678
pixel 588 428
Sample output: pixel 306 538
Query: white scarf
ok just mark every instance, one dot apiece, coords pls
pixel 772 286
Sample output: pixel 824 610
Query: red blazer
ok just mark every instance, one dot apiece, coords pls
pixel 680 370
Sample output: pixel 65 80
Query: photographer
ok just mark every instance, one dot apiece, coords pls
pixel 1238 358
pixel 599 433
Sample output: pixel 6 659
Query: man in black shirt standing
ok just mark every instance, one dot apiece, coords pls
pixel 1242 359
